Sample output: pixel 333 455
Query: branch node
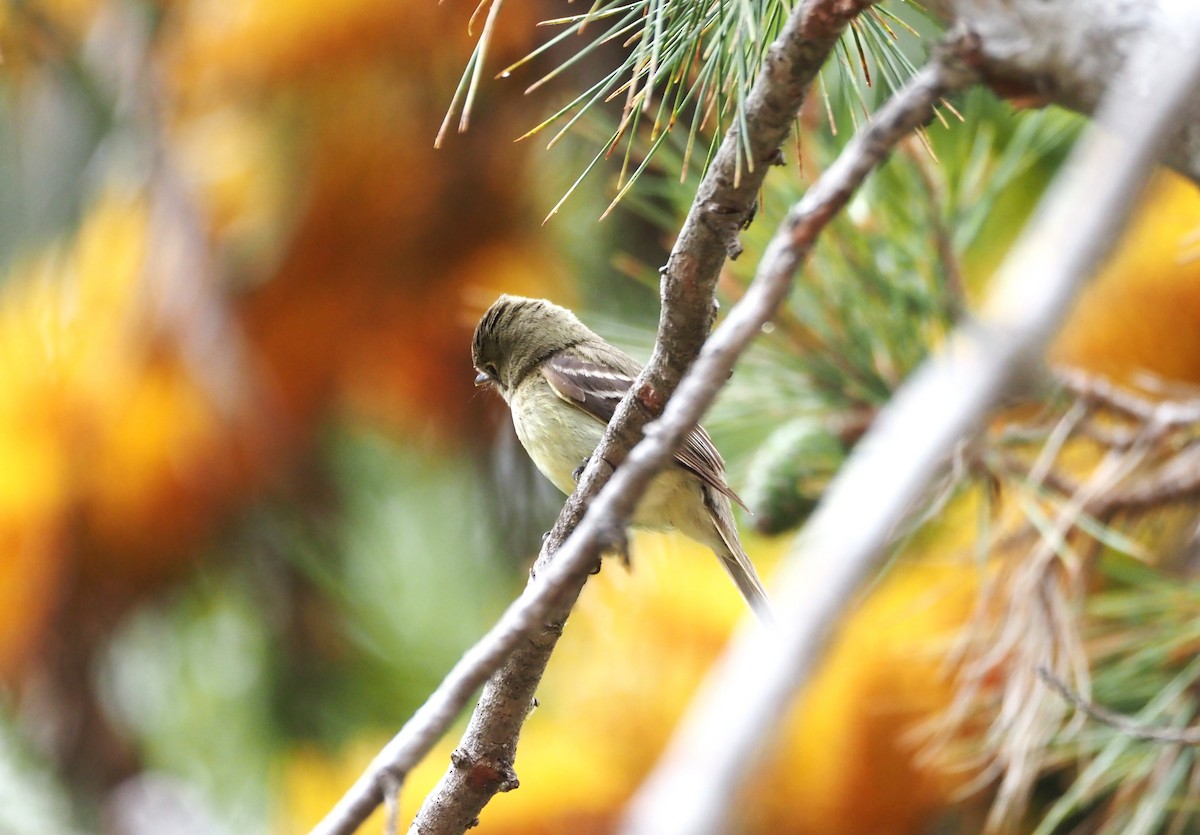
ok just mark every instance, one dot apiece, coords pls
pixel 390 780
pixel 389 787
pixel 1023 89
pixel 750 215
pixel 485 773
pixel 964 45
pixel 725 221
pixel 650 399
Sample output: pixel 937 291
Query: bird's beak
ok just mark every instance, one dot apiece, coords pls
pixel 481 378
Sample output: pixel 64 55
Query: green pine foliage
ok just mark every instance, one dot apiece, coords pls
pixel 1144 637
pixel 682 74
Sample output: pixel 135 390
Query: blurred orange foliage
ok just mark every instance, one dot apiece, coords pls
pixel 355 271
pixel 1141 315
pixel 372 295
pixel 357 261
pixel 296 144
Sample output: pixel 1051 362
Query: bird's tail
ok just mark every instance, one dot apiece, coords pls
pixel 746 579
pixel 737 563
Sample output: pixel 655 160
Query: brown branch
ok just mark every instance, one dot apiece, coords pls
pixel 752 685
pixel 518 648
pixel 1119 721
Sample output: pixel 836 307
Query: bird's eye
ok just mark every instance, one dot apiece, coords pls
pixel 488 374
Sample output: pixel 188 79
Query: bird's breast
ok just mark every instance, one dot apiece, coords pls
pixel 557 436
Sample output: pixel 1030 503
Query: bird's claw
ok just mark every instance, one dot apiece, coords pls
pixel 616 541
pixel 577 473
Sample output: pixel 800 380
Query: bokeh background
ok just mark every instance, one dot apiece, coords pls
pixel 251 506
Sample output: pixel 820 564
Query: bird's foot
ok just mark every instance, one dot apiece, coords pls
pixel 616 542
pixel 577 473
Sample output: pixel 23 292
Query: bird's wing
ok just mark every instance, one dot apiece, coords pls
pixel 593 388
pixel 597 389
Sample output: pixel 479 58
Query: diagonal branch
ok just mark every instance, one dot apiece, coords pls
pixel 748 690
pixel 725 198
pixel 518 647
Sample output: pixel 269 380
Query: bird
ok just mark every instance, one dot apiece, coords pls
pixel 562 383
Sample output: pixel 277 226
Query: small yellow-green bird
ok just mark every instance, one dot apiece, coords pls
pixel 562 383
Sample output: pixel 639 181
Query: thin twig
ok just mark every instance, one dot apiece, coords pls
pixel 518 648
pixel 693 788
pixel 1101 391
pixel 1175 481
pixel 1151 422
pixel 667 803
pixel 1125 724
